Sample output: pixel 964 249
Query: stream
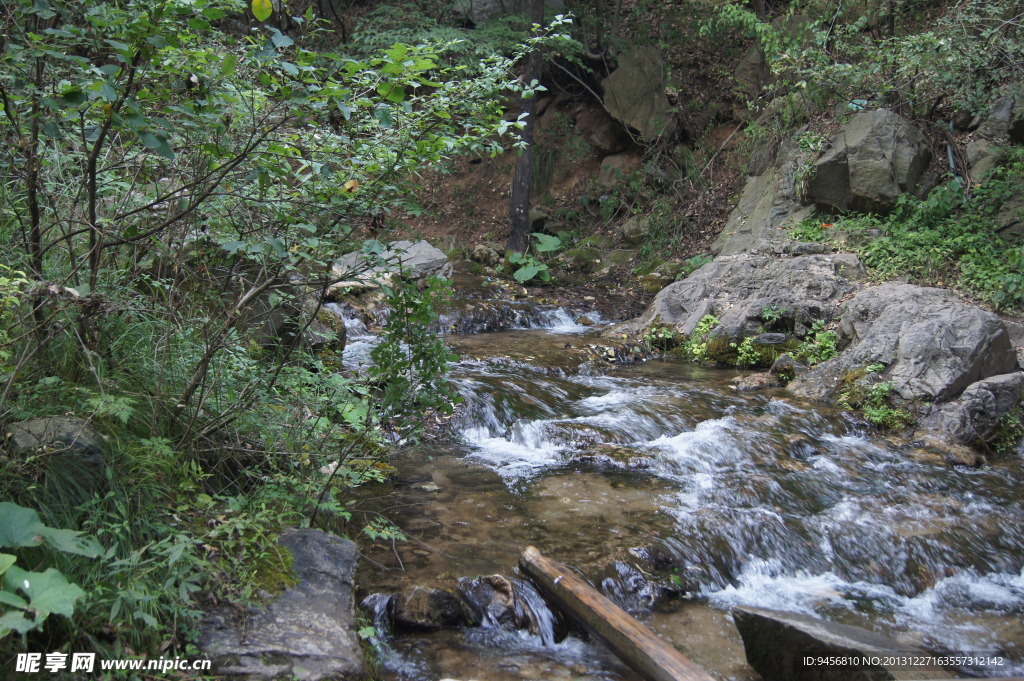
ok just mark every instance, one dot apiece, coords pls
pixel 680 498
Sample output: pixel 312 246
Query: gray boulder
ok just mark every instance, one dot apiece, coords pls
pixel 308 633
pixel 876 157
pixel 1005 120
pixel 739 288
pixel 73 450
pixel 778 643
pixel 1010 218
pixel 932 345
pixel 974 418
pixel 634 93
pixel 614 168
pixel 416 260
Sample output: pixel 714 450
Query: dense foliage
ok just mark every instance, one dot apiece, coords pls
pixel 173 198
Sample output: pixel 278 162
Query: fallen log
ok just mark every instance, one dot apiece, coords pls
pixel 638 646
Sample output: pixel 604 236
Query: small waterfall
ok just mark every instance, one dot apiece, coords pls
pixel 359 342
pixel 531 608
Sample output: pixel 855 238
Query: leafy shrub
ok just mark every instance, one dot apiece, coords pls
pixel 818 347
pixel 529 265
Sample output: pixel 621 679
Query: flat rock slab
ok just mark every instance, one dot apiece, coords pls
pixel 308 633
pixel 784 646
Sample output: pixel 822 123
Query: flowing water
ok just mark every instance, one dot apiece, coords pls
pixel 681 498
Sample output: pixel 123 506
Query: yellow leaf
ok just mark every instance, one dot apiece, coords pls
pixel 262 9
pixel 351 186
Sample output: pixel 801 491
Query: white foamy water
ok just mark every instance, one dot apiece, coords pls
pixel 560 321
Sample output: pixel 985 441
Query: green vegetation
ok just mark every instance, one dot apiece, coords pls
pixel 948 239
pixel 863 389
pixel 910 57
pixel 819 345
pixel 530 266
pixel 173 200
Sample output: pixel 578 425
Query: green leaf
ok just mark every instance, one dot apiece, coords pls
pixel 6 561
pixel 48 592
pixel 262 9
pixel 14 621
pixel 227 67
pixel 280 39
pixel 73 97
pixel 289 68
pixel 391 92
pixel 233 247
pixel 108 92
pixel 19 526
pixel 70 541
pixel 13 600
pixel 546 242
pixel 157 143
pixel 197 24
pixel 526 273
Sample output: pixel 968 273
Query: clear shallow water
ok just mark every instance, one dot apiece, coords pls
pixel 758 499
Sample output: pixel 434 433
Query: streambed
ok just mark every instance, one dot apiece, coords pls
pixel 751 498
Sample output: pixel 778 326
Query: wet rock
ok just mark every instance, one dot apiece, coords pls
pixel 800 446
pixel 776 644
pixel 308 633
pixel 974 418
pixel 422 609
pixel 759 381
pixel 72 450
pixel 737 289
pixel 876 157
pixel 491 600
pixel 486 316
pixel 634 93
pixel 932 344
pixel 635 591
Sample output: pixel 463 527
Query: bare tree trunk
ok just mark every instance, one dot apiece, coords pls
pixel 519 204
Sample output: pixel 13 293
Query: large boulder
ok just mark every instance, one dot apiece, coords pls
pixel 975 417
pixel 1005 120
pixel 634 93
pixel 876 157
pixel 364 271
pixel 931 344
pixel 308 633
pixel 72 450
pixel 784 646
pixel 739 289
